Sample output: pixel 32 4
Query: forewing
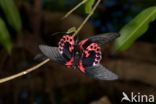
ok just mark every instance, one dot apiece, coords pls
pixel 99 39
pixel 100 72
pixel 52 53
pixel 40 57
pixel 103 38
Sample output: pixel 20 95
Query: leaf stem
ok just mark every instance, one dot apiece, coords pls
pixel 47 60
pixel 23 72
pixel 72 10
pixel 87 18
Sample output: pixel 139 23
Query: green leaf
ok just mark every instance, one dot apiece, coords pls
pixel 134 29
pixel 5 37
pixel 71 30
pixel 11 13
pixel 88 6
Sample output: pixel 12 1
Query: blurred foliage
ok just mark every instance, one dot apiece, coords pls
pixel 135 28
pixel 13 19
pixel 112 15
pixel 71 30
pixel 105 20
pixel 11 13
pixel 53 4
pixel 88 6
pixel 4 36
pixel 63 5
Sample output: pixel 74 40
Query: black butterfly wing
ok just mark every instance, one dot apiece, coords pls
pixel 91 66
pixel 103 38
pixel 40 57
pixel 99 39
pixel 100 72
pixel 52 53
pixel 63 53
pixel 91 56
pixel 89 62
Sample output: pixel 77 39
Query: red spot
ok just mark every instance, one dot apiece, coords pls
pixel 62 41
pixel 98 54
pixel 96 62
pixel 60 49
pixel 67 38
pixel 69 67
pixel 98 58
pixel 71 48
pixel 70 62
pixel 97 49
pixel 82 43
pixel 87 53
pixel 82 69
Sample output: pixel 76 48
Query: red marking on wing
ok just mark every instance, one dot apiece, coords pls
pixel 66 39
pixel 71 48
pixel 96 48
pixel 93 47
pixel 82 43
pixel 69 67
pixel 70 62
pixel 86 52
pixel 80 66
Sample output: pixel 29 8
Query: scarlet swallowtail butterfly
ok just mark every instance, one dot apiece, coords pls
pixel 84 55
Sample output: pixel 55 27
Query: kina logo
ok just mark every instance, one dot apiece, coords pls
pixel 137 97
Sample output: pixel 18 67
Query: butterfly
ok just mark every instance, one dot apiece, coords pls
pixel 84 55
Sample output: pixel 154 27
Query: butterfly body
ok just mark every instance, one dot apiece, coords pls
pixel 77 56
pixel 84 55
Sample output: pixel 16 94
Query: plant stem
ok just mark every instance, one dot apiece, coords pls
pixel 86 19
pixel 23 72
pixel 47 60
pixel 72 10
